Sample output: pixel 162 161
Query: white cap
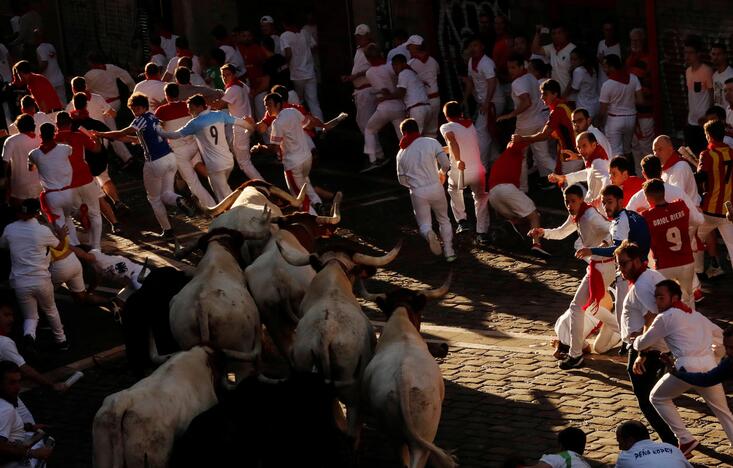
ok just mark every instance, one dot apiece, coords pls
pixel 362 30
pixel 267 19
pixel 414 40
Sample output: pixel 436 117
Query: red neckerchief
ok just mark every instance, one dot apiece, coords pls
pixel 557 102
pixel 184 53
pixel 155 50
pixel 622 76
pixel 423 57
pixel 581 211
pixel 682 306
pixel 408 138
pixel 598 153
pixel 474 63
pixel 716 144
pixel 28 110
pixel 30 134
pixel 674 159
pixel 235 83
pixel 81 114
pixel 465 122
pixel 47 146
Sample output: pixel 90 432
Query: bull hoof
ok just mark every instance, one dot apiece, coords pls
pixel 438 350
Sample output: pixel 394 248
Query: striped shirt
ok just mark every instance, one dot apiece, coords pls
pixel 717 164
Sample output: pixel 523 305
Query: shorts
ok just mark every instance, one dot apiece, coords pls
pixel 510 202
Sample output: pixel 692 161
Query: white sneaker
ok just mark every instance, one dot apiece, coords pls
pixel 712 272
pixel 434 243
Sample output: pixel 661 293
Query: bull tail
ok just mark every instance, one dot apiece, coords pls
pixel 251 355
pixel 439 457
pixel 109 450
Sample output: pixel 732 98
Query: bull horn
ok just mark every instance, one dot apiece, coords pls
pixel 369 260
pixel 441 291
pixel 295 202
pixel 223 205
pixel 182 252
pixel 362 290
pixel 293 258
pixel 335 217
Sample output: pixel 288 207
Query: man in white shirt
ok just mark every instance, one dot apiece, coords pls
pixel 167 39
pixel 267 28
pixel 639 309
pixel 699 81
pixel 675 170
pixel 102 79
pixel 28 106
pixel 24 182
pixel 572 442
pixel 383 82
pixel 232 55
pixel 412 92
pixel 17 424
pixel 638 451
pixel 466 171
pixel 558 53
pixel 483 85
pixel 5 72
pixel 609 45
pixel 399 45
pixel 529 112
pixel 364 97
pixel 722 73
pixel 182 50
pixel 417 169
pixel 152 86
pixel 619 97
pixel 690 337
pixel 291 144
pixel 297 49
pixel 427 70
pixel 583 122
pixel 48 65
pixel 596 171
pixel 28 242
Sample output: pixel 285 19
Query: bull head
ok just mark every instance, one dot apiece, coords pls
pixel 401 296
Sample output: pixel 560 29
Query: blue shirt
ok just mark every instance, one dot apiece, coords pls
pixel 154 145
pixel 627 225
pixel 719 374
pixel 209 129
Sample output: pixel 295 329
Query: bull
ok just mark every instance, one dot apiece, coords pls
pixel 334 337
pixel 402 384
pixel 137 427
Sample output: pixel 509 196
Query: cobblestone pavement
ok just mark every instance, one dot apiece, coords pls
pixel 504 394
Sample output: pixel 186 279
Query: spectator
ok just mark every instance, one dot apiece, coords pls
pixel 503 45
pixel 618 99
pixel 609 45
pixel 638 451
pixel 48 64
pixel 232 55
pixel 16 422
pixel 699 79
pixel 182 50
pixel 297 49
pixel 24 183
pixel 723 72
pixel 157 54
pixel 583 88
pixel 167 40
pixel 572 443
pixel 267 28
pixel 638 63
pixel 102 79
pixel 213 63
pixel 558 54
pixel 38 86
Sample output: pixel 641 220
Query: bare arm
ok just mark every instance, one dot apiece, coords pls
pixel 455 149
pixel 524 103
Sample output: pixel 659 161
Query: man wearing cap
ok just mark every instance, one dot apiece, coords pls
pixel 412 91
pixel 267 27
pixel 427 70
pixel 364 97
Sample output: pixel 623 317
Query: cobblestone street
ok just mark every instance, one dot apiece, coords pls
pixel 504 393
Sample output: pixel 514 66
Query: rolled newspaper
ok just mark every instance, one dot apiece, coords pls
pixel 688 155
pixel 74 378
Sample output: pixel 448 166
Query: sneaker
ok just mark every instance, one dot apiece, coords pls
pixel 698 295
pixel 61 346
pixel 450 258
pixel 687 448
pixel 370 167
pixel 483 239
pixel 714 271
pixel 463 226
pixel 185 207
pixel 434 243
pixel 539 251
pixel 571 363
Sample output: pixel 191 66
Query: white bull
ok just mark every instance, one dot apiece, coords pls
pixel 402 385
pixel 215 308
pixel 136 428
pixel 334 336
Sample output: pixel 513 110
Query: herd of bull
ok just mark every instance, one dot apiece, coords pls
pixel 260 267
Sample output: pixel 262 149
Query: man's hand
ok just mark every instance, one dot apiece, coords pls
pixel 516 139
pixel 639 368
pixel 60 232
pixel 41 453
pixel 668 361
pixel 557 178
pixel 568 155
pixel 441 176
pixel 536 232
pixel 461 165
pixel 582 253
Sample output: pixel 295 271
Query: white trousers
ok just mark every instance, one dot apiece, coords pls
pixel 158 179
pixel 242 153
pixel 89 195
pixel 431 126
pixel 421 114
pixel 670 387
pixel 476 180
pixel 641 143
pixel 308 93
pixel 185 161
pixel 381 117
pixel 577 327
pixel 220 183
pixel 724 227
pixel 366 104
pixel 619 131
pixel 432 199
pixel 68 271
pixel 119 147
pixel 296 177
pixel 683 275
pixel 31 297
pixel 607 337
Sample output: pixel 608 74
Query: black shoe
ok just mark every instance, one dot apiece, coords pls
pixel 483 239
pixel 185 207
pixel 463 226
pixel 624 349
pixel 320 209
pixel 28 345
pixel 571 363
pixel 62 346
pixel 120 207
pixel 115 228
